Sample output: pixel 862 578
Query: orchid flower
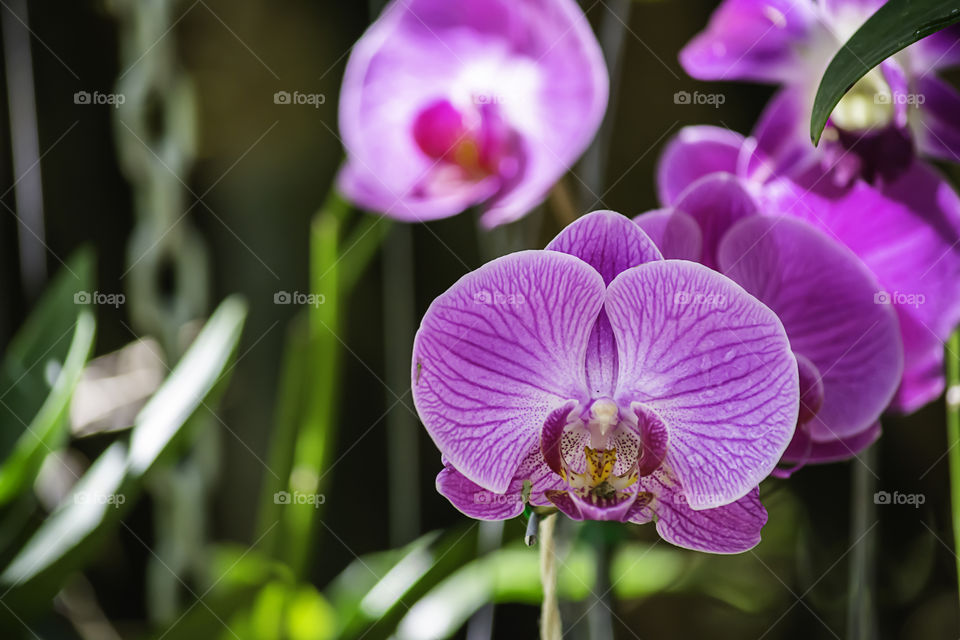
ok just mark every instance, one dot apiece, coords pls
pixel 611 383
pixel 791 42
pixel 905 230
pixel 448 105
pixel 848 347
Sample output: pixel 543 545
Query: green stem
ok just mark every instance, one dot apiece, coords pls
pixel 315 437
pixel 953 436
pixel 861 615
pixel 308 400
pixel 302 437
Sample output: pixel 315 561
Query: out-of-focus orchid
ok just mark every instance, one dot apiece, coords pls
pixel 848 347
pixel 616 385
pixel 791 42
pixel 905 230
pixel 446 105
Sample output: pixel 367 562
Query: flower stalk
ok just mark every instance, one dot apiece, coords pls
pixel 551 628
pixel 953 436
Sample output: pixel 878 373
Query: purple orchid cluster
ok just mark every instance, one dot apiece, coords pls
pixel 658 369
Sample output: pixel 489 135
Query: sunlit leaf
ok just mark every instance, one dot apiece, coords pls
pixel 309 616
pixel 96 500
pixel 508 575
pixel 184 391
pixel 375 591
pixel 112 483
pixel 41 370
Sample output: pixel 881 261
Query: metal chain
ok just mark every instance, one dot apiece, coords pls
pixel 167 272
pixel 155 130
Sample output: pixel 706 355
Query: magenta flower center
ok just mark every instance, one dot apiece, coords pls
pixel 475 139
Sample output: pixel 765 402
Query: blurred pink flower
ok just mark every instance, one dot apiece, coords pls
pixel 447 105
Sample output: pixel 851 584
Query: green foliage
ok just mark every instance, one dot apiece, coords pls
pixel 83 519
pixel 41 369
pixel 249 595
pixel 307 406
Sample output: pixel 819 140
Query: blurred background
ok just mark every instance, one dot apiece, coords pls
pixel 207 427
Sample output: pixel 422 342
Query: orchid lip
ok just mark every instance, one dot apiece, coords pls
pixel 601 452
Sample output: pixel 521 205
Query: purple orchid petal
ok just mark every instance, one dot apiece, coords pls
pixel 476 502
pixel 782 133
pixel 715 365
pixel 907 234
pixel 899 84
pixel 614 509
pixel 610 243
pixel 938 51
pixel 378 106
pixel 732 528
pixel 752 40
pixel 936 127
pixel 497 352
pixel 602 358
pixel 804 450
pixel 655 438
pixel 922 285
pixel 407 203
pixel 473 500
pixel 811 389
pixel 861 9
pixel 676 233
pixel 563 501
pixel 692 154
pixel 527 81
pixel 923 380
pixel 551 437
pixel 716 202
pixel 549 77
pixel 827 300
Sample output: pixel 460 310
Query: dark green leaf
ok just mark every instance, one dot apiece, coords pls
pixel 896 25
